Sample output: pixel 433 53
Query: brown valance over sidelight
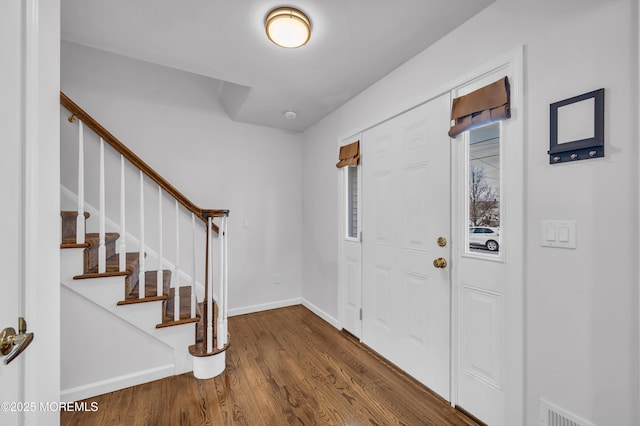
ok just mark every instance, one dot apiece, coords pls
pixel 349 155
pixel 483 106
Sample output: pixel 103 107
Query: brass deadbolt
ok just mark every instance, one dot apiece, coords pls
pixel 442 241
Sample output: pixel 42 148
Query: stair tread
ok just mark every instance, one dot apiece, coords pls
pixel 113 267
pixel 73 245
pixel 94 237
pixel 185 308
pixel 200 349
pixel 73 213
pixel 151 289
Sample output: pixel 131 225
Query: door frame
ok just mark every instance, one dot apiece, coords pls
pixel 40 107
pixel 515 318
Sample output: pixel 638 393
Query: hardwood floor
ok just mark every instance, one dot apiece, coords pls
pixel 284 366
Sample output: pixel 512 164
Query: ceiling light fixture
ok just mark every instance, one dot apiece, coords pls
pixel 290 115
pixel 288 27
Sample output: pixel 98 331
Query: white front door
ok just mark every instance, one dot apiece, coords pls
pixel 406 208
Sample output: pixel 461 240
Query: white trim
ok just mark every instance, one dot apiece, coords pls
pixel 264 307
pixel 637 28
pixel 41 91
pixel 117 383
pixel 322 314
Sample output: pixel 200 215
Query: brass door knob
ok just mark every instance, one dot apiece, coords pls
pixel 440 262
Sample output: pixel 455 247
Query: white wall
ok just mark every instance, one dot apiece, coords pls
pixel 174 122
pixel 581 305
pixel 108 355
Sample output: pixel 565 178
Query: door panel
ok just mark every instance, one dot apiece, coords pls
pixel 352 285
pixel 488 283
pixel 351 250
pixel 406 207
pixel 482 319
pixel 10 178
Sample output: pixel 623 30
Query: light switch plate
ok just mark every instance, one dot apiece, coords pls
pixel 558 233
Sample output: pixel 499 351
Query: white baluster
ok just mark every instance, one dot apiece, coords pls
pixel 123 233
pixel 160 257
pixel 193 266
pixel 176 285
pixel 141 275
pixel 221 336
pixel 80 229
pixel 226 283
pixel 209 300
pixel 102 249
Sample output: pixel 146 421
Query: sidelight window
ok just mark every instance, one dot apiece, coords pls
pixel 483 190
pixel 352 202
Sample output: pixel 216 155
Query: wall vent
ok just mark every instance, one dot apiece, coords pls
pixel 552 415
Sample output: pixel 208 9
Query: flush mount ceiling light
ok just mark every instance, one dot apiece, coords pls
pixel 288 27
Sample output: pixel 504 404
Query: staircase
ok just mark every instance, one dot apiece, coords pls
pixel 98 266
pixel 131 291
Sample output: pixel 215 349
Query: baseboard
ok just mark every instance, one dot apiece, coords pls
pixel 264 307
pixel 322 314
pixel 116 383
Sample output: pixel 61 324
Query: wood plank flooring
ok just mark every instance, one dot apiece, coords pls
pixel 284 367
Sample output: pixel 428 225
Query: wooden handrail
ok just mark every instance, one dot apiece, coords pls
pixel 90 122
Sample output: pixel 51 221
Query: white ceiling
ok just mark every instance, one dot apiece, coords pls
pixel 353 44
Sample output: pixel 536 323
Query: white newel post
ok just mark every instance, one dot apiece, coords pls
pixel 209 301
pixel 102 249
pixel 176 283
pixel 141 275
pixel 123 233
pixel 80 229
pixel 193 266
pixel 159 279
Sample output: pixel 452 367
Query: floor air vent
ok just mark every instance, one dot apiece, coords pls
pixel 552 415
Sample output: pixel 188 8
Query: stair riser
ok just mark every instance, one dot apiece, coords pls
pixel 70 259
pixel 69 220
pixel 131 280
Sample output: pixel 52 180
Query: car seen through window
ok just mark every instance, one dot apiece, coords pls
pixel 484 237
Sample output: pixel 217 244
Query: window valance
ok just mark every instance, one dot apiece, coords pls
pixel 349 155
pixel 483 106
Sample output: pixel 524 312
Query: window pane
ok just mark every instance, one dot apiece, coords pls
pixel 352 202
pixel 484 189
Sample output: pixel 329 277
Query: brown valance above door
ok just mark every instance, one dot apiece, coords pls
pixel 483 106
pixel 349 155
